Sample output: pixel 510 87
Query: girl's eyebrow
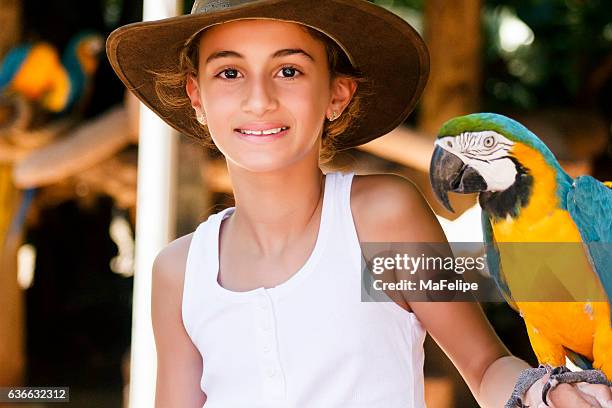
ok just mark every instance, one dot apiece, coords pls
pixel 277 54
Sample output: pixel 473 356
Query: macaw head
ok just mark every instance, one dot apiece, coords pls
pixel 85 49
pixel 492 155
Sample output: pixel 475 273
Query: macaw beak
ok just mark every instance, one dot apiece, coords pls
pixel 448 172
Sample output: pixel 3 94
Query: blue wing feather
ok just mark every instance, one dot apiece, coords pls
pixel 494 261
pixel 589 203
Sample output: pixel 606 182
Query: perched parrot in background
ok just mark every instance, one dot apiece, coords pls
pixel 36 85
pixel 526 197
pixel 36 72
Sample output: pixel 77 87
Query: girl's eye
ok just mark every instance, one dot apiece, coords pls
pixel 230 73
pixel 488 141
pixel 289 71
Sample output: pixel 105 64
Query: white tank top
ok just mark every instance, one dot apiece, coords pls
pixel 310 341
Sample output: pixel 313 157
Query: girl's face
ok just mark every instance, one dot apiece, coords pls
pixel 265 75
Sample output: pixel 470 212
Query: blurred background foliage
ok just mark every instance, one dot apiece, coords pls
pixel 538 53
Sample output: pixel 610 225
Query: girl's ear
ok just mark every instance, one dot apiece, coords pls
pixel 193 92
pixel 342 92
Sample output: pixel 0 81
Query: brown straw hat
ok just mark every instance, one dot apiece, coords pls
pixel 384 47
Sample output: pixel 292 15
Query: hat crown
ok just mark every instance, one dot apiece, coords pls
pixel 207 6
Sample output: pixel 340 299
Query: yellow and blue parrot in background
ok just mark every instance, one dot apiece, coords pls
pixel 35 84
pixel 526 197
pixel 37 73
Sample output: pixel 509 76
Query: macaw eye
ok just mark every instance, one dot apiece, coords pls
pixel 488 141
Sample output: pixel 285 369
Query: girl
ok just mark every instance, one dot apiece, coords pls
pixel 261 305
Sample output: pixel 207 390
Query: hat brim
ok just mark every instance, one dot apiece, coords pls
pixel 386 49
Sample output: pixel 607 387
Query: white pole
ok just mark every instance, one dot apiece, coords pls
pixel 155 226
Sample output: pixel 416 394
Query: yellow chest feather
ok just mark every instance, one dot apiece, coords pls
pixel 542 219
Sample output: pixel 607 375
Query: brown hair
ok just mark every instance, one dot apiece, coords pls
pixel 170 89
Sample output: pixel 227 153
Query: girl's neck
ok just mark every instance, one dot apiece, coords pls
pixel 274 209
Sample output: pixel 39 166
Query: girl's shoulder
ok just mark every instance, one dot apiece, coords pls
pixel 170 263
pixel 389 207
pixel 391 187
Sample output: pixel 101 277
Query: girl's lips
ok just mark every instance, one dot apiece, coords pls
pixel 261 126
pixel 262 138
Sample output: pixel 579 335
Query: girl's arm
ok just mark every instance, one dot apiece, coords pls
pixel 391 209
pixel 179 363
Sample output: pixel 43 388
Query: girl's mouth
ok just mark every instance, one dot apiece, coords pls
pixel 262 135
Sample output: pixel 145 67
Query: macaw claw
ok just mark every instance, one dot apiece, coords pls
pixel 563 375
pixel 525 380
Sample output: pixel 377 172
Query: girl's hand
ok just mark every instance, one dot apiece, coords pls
pixel 579 395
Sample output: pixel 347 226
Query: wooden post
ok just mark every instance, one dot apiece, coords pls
pixel 12 345
pixel 453 36
pixel 10 21
pixel 452 33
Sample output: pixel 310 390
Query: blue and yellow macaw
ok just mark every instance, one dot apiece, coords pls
pixel 36 71
pixel 32 76
pixel 527 201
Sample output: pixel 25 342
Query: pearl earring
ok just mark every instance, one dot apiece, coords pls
pixel 201 118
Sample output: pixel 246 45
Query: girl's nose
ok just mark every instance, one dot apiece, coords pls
pixel 260 97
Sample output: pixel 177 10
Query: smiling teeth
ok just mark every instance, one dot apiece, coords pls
pixel 262 132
